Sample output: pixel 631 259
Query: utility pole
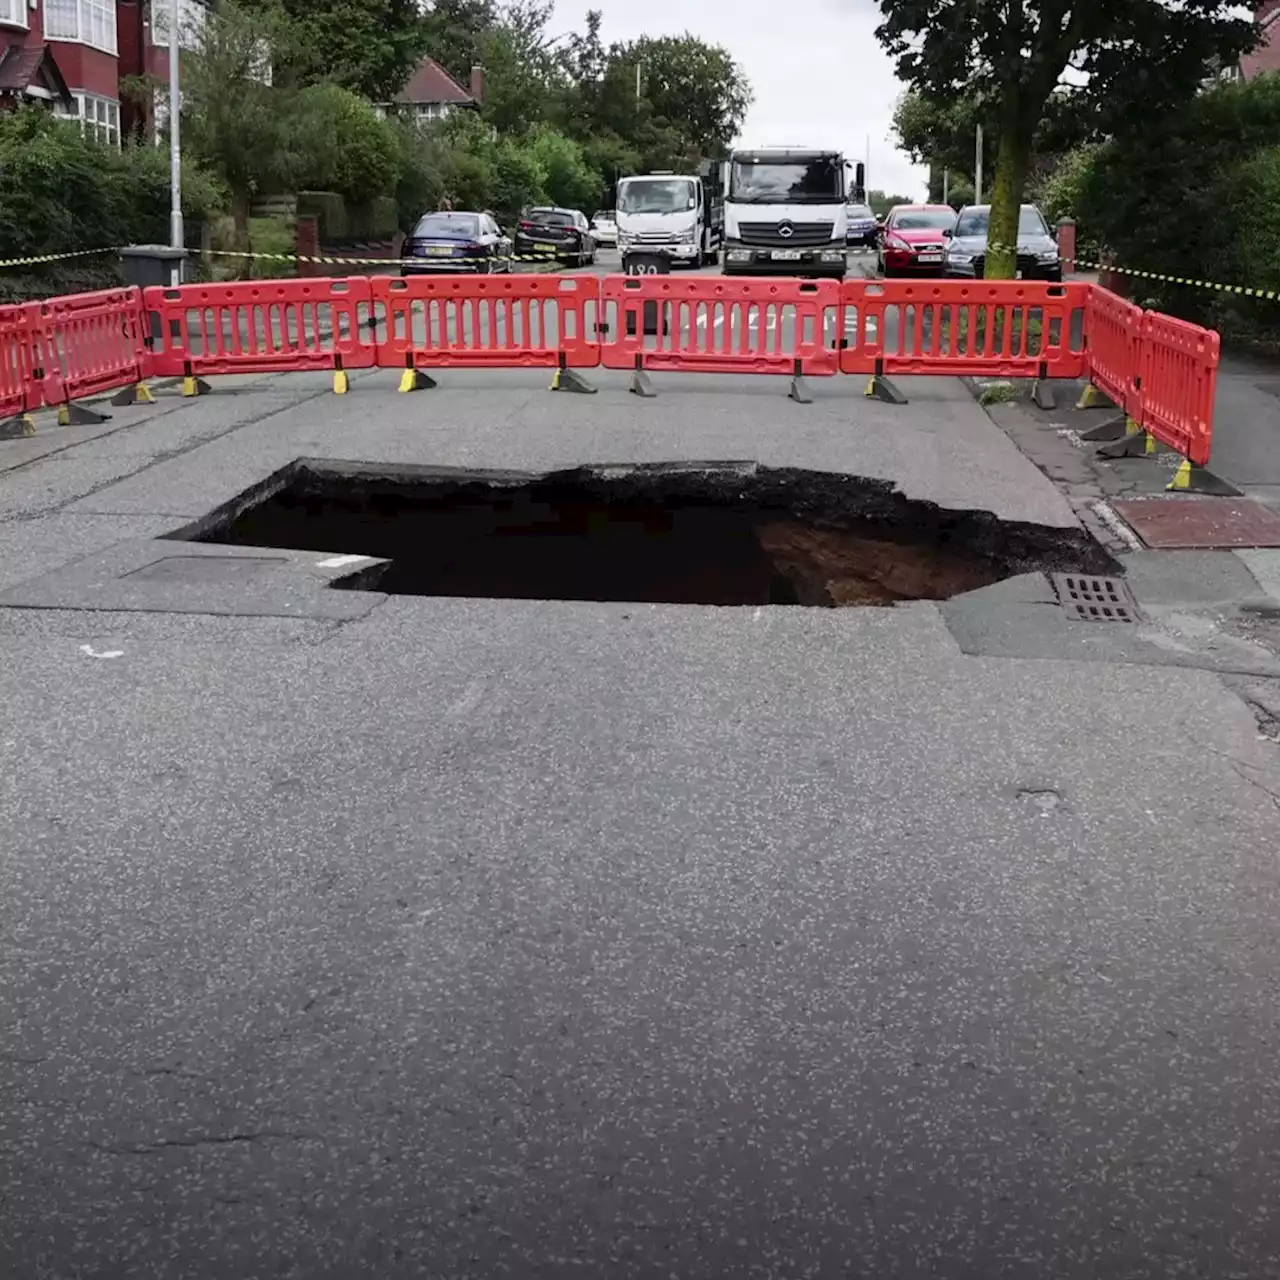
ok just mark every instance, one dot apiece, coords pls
pixel 946 186
pixel 977 167
pixel 177 233
pixel 638 65
pixel 866 173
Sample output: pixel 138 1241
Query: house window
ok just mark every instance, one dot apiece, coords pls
pixel 191 20
pixel 91 22
pixel 98 116
pixel 13 13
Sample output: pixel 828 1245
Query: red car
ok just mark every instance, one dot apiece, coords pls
pixel 911 241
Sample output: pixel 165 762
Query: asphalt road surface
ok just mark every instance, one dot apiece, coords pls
pixel 347 934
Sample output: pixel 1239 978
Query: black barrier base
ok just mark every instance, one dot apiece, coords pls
pixel 76 415
pixel 15 428
pixel 572 380
pixel 880 388
pixel 1192 479
pixel 1136 444
pixel 1112 429
pixel 137 393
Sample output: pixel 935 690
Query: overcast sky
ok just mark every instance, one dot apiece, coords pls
pixel 819 76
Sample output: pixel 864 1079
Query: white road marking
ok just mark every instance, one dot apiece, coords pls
pixel 337 562
pixel 89 651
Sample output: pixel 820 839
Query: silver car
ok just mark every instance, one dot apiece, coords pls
pixel 966 253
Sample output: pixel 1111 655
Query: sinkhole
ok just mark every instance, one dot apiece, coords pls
pixel 679 533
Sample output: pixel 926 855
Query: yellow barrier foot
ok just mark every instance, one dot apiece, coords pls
pixel 640 384
pixel 880 388
pixel 1133 444
pixel 1190 478
pixel 138 393
pixel 1092 398
pixel 1042 395
pixel 341 383
pixel 15 428
pixel 571 380
pixel 195 387
pixel 416 380
pixel 76 415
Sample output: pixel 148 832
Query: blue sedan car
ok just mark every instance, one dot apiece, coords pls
pixel 862 227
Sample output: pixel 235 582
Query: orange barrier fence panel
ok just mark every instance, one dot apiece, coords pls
pixel 997 328
pixel 267 326
pixel 1179 370
pixel 710 324
pixel 504 321
pixel 1113 339
pixel 90 343
pixel 19 377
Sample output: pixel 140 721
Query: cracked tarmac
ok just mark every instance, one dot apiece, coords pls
pixel 483 938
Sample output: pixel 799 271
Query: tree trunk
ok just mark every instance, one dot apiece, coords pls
pixel 1012 162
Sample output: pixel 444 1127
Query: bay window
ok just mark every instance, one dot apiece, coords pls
pixel 91 22
pixel 13 13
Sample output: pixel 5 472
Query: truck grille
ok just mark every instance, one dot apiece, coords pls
pixel 654 237
pixel 803 233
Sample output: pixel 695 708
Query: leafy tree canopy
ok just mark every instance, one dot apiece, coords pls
pixel 1111 58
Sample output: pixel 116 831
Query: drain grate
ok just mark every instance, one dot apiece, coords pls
pixel 1096 599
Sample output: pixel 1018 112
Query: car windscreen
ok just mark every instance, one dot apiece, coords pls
pixel 657 195
pixel 551 218
pixel 974 222
pixel 819 180
pixel 449 225
pixel 602 215
pixel 860 212
pixel 924 220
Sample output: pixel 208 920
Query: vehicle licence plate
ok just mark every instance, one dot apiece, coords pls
pixel 930 257
pixel 438 251
pixel 786 255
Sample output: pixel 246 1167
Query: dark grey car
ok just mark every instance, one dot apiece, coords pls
pixel 1037 250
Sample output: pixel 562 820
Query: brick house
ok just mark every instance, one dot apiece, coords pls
pixel 74 54
pixel 1266 57
pixel 432 93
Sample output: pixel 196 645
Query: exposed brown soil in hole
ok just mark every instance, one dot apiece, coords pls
pixel 696 533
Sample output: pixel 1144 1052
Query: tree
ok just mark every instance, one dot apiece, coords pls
pixel 881 203
pixel 455 31
pixel 368 46
pixel 232 118
pixel 1127 55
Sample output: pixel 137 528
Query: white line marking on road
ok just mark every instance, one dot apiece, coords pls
pixel 337 562
pixel 89 651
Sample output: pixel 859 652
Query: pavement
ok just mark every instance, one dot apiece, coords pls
pixel 348 934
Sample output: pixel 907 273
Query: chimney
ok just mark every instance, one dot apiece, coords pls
pixel 477 83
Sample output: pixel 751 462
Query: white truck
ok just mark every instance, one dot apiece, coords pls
pixel 785 212
pixel 675 215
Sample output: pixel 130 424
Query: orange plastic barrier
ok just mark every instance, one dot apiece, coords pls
pixel 1179 373
pixel 472 321
pixel 997 328
pixel 90 343
pixel 19 383
pixel 1113 339
pixel 710 324
pixel 269 326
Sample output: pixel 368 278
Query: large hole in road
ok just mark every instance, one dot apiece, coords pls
pixel 690 533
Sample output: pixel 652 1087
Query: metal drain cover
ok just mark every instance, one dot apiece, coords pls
pixel 1096 599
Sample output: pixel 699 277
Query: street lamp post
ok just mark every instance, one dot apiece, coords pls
pixel 177 233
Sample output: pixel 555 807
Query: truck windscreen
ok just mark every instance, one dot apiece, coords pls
pixel 819 180
pixel 657 195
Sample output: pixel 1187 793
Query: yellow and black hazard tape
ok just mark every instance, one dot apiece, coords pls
pixel 43 258
pixel 1216 286
pixel 378 262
